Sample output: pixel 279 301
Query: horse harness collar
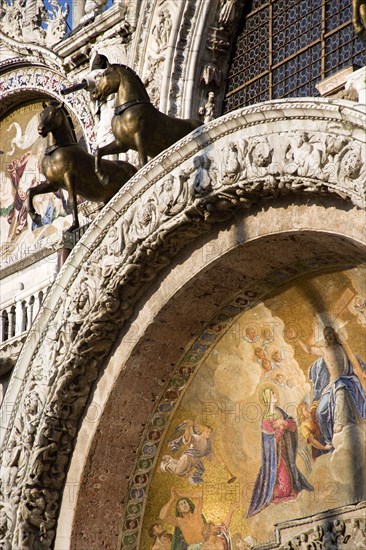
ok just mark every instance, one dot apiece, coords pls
pixel 49 150
pixel 120 109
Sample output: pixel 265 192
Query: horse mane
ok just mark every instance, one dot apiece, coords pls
pixel 70 123
pixel 120 66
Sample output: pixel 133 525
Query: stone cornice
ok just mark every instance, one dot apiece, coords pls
pixel 28 255
pixel 86 33
pixel 256 154
pixel 41 53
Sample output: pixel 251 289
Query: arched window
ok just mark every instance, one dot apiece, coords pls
pixel 285 47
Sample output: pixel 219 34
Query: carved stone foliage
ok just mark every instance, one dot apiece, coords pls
pixel 35 22
pixel 259 153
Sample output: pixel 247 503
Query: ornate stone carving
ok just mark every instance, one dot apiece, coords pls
pixel 91 8
pixel 332 534
pixel 214 58
pixel 41 78
pixel 358 535
pixel 26 22
pixel 161 30
pixel 207 177
pixel 207 110
pixel 153 77
pixel 159 41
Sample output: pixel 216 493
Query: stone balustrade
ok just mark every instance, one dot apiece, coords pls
pixel 17 316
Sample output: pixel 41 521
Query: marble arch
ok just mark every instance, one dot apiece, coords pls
pixel 241 179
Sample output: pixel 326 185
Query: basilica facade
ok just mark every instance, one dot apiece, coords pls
pixel 183 361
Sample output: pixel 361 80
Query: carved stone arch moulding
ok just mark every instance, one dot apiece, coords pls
pixel 34 82
pixel 29 50
pixel 276 150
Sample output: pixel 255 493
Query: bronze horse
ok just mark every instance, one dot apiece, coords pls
pixel 66 165
pixel 136 124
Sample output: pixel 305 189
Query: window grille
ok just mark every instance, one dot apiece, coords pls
pixel 287 46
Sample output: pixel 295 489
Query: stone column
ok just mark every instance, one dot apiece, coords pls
pixel 29 307
pixel 19 313
pixel 12 327
pixel 2 326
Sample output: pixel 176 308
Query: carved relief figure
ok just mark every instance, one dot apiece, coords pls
pixel 358 535
pixel 303 158
pixel 153 78
pixel 279 479
pixel 207 111
pixel 317 537
pixel 174 196
pixel 202 179
pixel 260 157
pixel 161 30
pixel 233 161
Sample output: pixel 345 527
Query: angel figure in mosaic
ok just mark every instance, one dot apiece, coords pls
pixel 196 441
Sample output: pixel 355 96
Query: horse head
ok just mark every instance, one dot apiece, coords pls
pixel 50 117
pixel 107 83
pixel 121 79
pixel 55 118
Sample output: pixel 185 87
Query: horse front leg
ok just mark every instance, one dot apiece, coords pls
pixel 70 186
pixel 141 148
pixel 40 189
pixel 112 148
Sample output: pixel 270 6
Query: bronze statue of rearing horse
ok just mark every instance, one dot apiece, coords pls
pixel 66 165
pixel 136 124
